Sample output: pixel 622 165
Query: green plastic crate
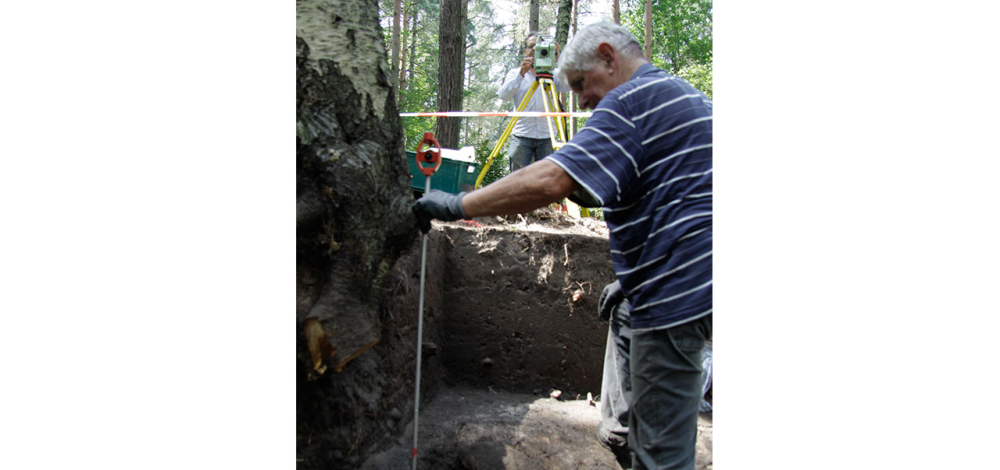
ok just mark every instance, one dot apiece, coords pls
pixel 450 177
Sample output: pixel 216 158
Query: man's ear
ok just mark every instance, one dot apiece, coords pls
pixel 606 52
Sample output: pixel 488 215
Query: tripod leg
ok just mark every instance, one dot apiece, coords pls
pixel 505 135
pixel 549 94
pixel 560 121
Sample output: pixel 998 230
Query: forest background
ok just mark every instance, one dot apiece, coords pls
pixel 677 36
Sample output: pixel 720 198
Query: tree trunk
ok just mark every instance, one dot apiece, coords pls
pixel 402 67
pixel 616 12
pixel 413 41
pixel 562 21
pixel 353 219
pixel 563 15
pixel 451 69
pixel 533 16
pixel 649 30
pixel 395 42
pixel 572 98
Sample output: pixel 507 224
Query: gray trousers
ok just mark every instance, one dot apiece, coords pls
pixel 652 387
pixel 527 150
pixel 666 393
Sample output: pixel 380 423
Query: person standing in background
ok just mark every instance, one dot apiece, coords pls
pixel 531 140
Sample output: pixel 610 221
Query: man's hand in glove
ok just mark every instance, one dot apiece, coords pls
pixel 437 204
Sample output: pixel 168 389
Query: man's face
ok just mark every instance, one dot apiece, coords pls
pixel 529 50
pixel 591 85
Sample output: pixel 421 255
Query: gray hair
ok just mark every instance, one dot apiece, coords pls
pixel 581 51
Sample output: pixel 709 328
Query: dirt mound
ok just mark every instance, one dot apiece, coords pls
pixel 547 220
pixel 485 429
pixel 468 428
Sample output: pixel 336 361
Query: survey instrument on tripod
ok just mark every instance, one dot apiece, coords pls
pixel 545 55
pixel 556 123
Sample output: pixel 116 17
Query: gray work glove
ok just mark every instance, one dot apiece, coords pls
pixel 610 298
pixel 437 204
pixel 583 198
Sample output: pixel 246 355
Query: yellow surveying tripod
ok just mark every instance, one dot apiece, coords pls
pixel 550 98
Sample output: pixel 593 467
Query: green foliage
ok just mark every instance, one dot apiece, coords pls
pixel 413 130
pixel 682 37
pixel 699 76
pixel 419 93
pixel 484 71
pixel 500 166
pixel 487 51
pixel 682 45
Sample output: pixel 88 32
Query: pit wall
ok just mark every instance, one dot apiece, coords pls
pixel 520 309
pixel 512 310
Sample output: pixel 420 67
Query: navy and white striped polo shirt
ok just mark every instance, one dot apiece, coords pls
pixel 646 155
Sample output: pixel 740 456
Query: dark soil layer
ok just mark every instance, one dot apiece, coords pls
pixel 521 309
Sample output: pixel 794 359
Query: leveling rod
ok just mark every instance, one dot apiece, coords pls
pixel 433 157
pixel 511 113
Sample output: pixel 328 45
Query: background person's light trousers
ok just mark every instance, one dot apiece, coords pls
pixel 616 385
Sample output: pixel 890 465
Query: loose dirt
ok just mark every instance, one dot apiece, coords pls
pixel 468 428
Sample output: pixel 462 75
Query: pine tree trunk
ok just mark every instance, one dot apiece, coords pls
pixel 451 70
pixel 395 42
pixel 563 15
pixel 562 21
pixel 649 30
pixel 533 16
pixel 572 98
pixel 353 217
pixel 402 67
pixel 413 42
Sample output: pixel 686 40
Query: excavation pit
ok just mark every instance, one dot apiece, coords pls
pixel 510 316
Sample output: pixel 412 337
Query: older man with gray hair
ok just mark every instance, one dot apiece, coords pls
pixel 645 157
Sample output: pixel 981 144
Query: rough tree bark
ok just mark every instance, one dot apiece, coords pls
pixel 616 12
pixel 451 69
pixel 562 21
pixel 353 218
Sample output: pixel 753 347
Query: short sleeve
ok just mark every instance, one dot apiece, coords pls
pixel 603 157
